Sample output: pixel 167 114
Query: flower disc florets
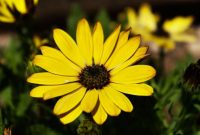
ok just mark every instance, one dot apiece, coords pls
pixel 94 77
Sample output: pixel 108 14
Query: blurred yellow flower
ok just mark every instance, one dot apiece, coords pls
pixel 144 23
pixel 178 27
pixel 178 30
pixel 10 10
pixel 38 41
pixel 91 75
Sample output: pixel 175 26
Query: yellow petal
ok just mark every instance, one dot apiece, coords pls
pixel 178 24
pixel 133 89
pixel 107 103
pixel 55 66
pixel 68 47
pixel 100 115
pixel 139 54
pixel 50 79
pixel 98 39
pixel 56 54
pixel 7 19
pixel 53 53
pixel 4 9
pixel 69 101
pixel 134 74
pixel 132 18
pixel 7 2
pixel 89 101
pixel 109 45
pixel 119 99
pixel 35 2
pixel 145 14
pixel 84 40
pixel 61 90
pixel 123 38
pixel 184 37
pixel 71 115
pixel 39 91
pixel 124 53
pixel 48 92
pixel 20 6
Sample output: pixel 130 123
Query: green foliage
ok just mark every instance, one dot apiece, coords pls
pixel 175 106
pixel 105 20
pixel 75 14
pixel 39 129
pixel 23 104
pixel 14 55
pixel 1 123
pixel 6 97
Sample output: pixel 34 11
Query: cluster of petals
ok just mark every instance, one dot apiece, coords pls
pixel 11 9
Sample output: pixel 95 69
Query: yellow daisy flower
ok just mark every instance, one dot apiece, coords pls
pixel 139 23
pixel 178 28
pixel 178 31
pixel 11 10
pixel 90 75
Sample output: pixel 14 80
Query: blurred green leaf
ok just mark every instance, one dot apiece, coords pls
pixel 13 55
pixel 75 14
pixel 1 123
pixel 6 97
pixel 40 129
pixel 23 104
pixel 197 106
pixel 105 20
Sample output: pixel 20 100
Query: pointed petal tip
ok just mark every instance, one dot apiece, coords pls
pixel 28 79
pixel 129 29
pixel 83 20
pixel 54 31
pixel 55 111
pixel 118 27
pixel 45 97
pixel 31 94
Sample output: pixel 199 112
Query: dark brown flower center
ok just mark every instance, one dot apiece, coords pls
pixel 95 76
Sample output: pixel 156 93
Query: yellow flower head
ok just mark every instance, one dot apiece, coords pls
pixel 178 24
pixel 178 28
pixel 10 10
pixel 139 23
pixel 91 75
pixel 38 41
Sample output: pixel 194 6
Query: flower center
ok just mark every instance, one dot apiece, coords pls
pixel 95 76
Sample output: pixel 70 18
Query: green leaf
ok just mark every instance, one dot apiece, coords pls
pixel 40 129
pixel 24 102
pixel 1 123
pixel 6 97
pixel 197 106
pixel 13 55
pixel 75 14
pixel 104 18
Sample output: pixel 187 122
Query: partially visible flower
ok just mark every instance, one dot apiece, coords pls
pixel 178 28
pixel 144 23
pixel 12 10
pixel 91 75
pixel 191 76
pixel 38 41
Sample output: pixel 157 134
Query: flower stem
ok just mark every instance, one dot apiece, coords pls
pixel 87 126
